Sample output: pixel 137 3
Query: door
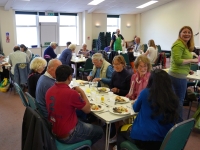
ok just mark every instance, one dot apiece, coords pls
pixel 48 33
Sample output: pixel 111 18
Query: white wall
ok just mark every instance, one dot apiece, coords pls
pixel 128 32
pixel 7 24
pixel 100 19
pixel 163 23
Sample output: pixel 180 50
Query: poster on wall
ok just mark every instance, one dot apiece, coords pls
pixel 7 37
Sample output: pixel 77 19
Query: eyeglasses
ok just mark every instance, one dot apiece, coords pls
pixel 142 66
pixel 116 64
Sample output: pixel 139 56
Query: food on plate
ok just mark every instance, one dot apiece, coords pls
pixel 81 83
pixel 103 89
pixel 95 107
pixel 119 99
pixel 120 109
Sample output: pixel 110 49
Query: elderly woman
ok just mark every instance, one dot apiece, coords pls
pixel 84 51
pixel 152 51
pixel 180 63
pixel 25 49
pixel 49 51
pixel 37 66
pixel 121 77
pixel 140 79
pixel 66 55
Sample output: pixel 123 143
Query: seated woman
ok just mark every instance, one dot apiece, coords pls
pixel 25 49
pixel 84 51
pixel 152 51
pixel 121 77
pixel 140 79
pixel 37 66
pixel 157 106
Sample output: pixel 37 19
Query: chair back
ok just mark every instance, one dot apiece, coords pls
pixel 21 94
pixel 88 65
pixel 126 58
pixel 159 48
pixel 33 103
pixel 145 47
pixel 178 135
pixel 194 67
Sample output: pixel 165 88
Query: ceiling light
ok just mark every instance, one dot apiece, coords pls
pixel 147 4
pixel 95 2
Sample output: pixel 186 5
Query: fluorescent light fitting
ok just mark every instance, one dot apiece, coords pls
pixel 95 2
pixel 147 4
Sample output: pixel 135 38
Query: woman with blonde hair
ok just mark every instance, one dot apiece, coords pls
pixel 37 66
pixel 121 77
pixel 181 58
pixel 140 79
pixel 152 51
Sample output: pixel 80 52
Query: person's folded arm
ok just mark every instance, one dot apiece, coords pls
pixel 138 103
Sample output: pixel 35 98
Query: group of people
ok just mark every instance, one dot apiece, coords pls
pixel 158 95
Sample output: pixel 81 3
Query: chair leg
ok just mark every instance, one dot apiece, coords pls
pixel 189 110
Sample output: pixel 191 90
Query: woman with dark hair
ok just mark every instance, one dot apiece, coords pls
pixel 157 106
pixel 25 49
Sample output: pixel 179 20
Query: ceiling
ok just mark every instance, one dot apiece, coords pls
pixel 75 6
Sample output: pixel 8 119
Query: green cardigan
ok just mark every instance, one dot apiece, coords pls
pixel 178 53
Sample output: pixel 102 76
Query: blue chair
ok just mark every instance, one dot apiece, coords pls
pixel 60 146
pixel 21 94
pixel 175 139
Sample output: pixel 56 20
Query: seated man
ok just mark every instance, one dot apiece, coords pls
pixel 44 83
pixel 62 102
pixel 50 50
pixel 102 71
pixel 17 57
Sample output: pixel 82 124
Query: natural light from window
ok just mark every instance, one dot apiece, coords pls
pixel 47 18
pixel 67 34
pixel 112 24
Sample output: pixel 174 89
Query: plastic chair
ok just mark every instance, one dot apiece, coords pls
pixel 175 139
pixel 126 59
pixel 33 103
pixel 145 47
pixel 21 94
pixel 87 68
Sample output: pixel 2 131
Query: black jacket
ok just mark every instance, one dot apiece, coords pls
pixel 36 133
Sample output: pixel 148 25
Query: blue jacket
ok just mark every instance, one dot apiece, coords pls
pixel 144 127
pixel 50 51
pixel 65 57
pixel 21 73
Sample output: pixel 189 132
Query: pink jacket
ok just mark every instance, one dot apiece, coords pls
pixel 137 85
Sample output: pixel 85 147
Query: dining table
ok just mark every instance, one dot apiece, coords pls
pixel 105 100
pixel 75 60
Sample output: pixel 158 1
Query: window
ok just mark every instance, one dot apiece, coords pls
pixel 68 29
pixel 112 23
pixel 26 28
pixel 47 18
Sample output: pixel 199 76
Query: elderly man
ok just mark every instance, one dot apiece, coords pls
pixel 50 50
pixel 62 102
pixel 44 83
pixel 117 40
pixel 102 71
pixel 137 46
pixel 17 57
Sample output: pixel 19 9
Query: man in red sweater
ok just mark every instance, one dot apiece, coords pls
pixel 62 102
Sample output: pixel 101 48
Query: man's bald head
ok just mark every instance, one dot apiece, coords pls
pixel 52 66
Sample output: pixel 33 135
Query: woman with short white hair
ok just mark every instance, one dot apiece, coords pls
pixel 37 66
pixel 66 55
pixel 84 51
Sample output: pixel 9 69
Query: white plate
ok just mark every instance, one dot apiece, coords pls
pixel 124 113
pixel 107 89
pixel 82 83
pixel 102 107
pixel 125 98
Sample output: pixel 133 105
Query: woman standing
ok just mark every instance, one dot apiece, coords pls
pixel 25 49
pixel 181 58
pixel 140 79
pixel 121 77
pixel 152 51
